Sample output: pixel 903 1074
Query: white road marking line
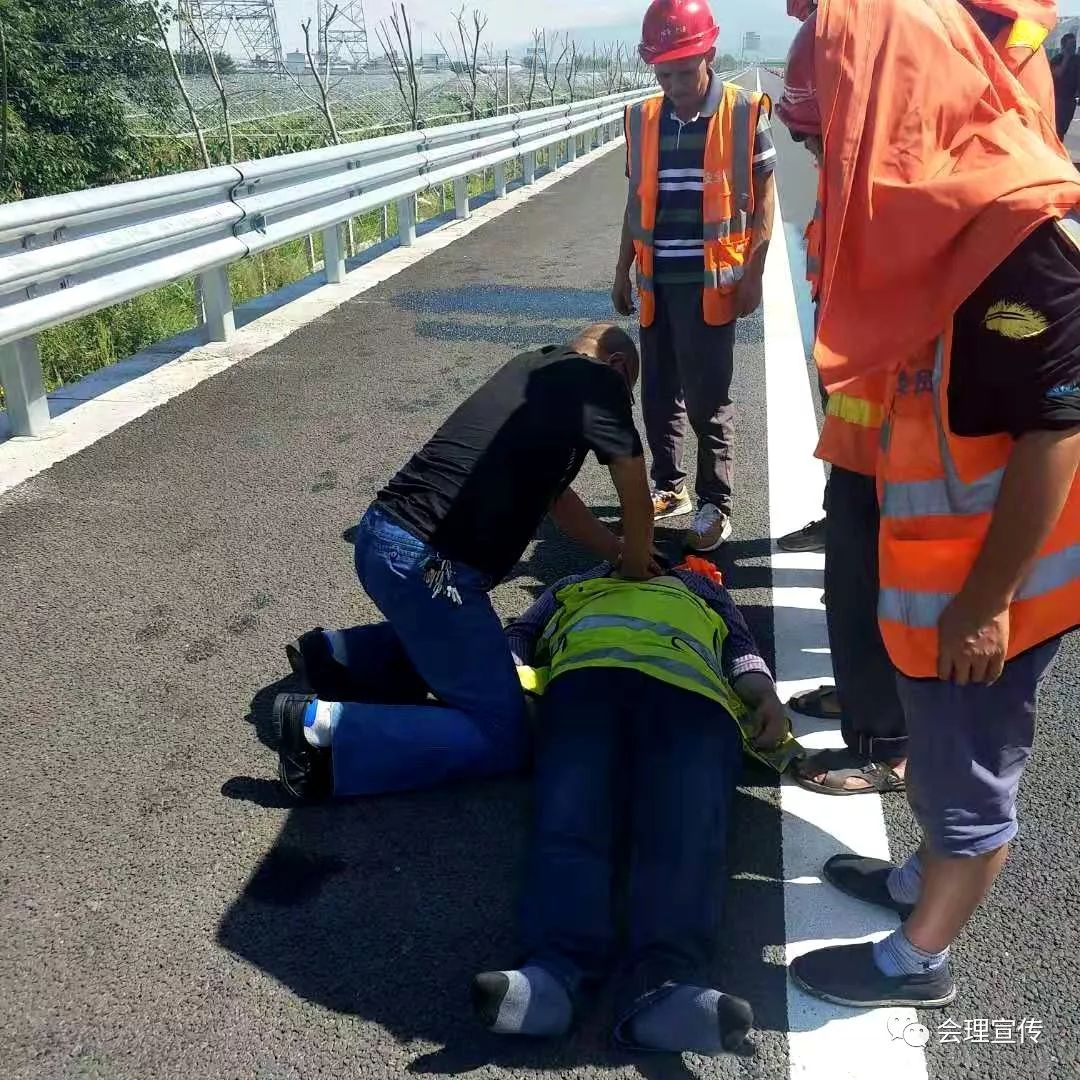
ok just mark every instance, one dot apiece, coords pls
pixel 111 398
pixel 826 1041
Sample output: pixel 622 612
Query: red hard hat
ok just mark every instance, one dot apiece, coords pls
pixel 676 29
pixel 801 9
pixel 798 106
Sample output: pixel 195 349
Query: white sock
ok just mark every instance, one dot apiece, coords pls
pixel 336 640
pixel 319 720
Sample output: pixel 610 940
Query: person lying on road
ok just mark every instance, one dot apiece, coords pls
pixel 650 693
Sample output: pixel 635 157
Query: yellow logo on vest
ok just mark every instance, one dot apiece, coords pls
pixel 1014 321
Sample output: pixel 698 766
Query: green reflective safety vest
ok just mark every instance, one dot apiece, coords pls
pixel 659 628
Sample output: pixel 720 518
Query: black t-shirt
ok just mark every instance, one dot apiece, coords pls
pixel 1015 364
pixel 479 489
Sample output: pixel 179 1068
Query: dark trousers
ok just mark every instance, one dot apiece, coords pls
pixel 625 761
pixel 1066 111
pixel 873 719
pixel 687 367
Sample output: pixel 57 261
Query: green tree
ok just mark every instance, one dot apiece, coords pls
pixel 70 67
pixel 194 63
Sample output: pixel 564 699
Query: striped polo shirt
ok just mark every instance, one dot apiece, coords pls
pixel 679 251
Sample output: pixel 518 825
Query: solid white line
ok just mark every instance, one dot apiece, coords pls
pixel 113 397
pixel 826 1041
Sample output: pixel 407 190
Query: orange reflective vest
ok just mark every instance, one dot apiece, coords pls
pixel 937 493
pixel 728 196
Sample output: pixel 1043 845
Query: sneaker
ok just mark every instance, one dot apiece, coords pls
pixel 809 538
pixel 304 770
pixel 847 975
pixel 865 879
pixel 668 504
pixel 710 529
pixel 315 668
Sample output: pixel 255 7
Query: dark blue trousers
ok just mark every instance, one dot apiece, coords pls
pixel 626 763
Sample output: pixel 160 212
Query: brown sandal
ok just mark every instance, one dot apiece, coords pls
pixel 839 766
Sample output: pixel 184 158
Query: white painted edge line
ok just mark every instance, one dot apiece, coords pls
pixel 113 397
pixel 826 1041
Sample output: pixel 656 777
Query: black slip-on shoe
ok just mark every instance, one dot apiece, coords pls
pixel 865 879
pixel 847 975
pixel 305 771
pixel 313 664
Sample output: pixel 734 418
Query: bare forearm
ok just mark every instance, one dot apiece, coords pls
pixel 632 483
pixel 579 523
pixel 626 247
pixel 1036 484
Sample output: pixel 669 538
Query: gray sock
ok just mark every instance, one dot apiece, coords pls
pixel 693 1019
pixel 896 955
pixel 526 1002
pixel 905 882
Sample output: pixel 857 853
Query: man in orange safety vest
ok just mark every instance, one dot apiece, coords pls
pixel 700 160
pixel 950 265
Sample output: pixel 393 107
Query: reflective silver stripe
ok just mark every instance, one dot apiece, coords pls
pixel 813 265
pixel 724 277
pixel 742 178
pixel 644 282
pixel 919 610
pixel 637 230
pixel 721 230
pixel 923 610
pixel 1051 572
pixel 683 671
pixel 629 622
pixel 949 495
pixel 941 498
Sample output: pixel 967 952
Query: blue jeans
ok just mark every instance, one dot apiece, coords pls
pixel 455 650
pixel 624 761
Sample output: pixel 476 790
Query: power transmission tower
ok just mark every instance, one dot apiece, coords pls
pixel 252 22
pixel 345 39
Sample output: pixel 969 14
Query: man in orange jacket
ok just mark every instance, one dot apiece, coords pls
pixel 700 161
pixel 977 475
pixel 864 699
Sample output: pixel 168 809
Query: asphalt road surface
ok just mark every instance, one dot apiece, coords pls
pixel 166 915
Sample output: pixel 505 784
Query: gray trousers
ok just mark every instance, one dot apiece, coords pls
pixel 873 719
pixel 687 367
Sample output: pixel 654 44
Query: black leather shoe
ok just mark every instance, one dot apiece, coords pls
pixel 865 879
pixel 847 975
pixel 314 666
pixel 305 771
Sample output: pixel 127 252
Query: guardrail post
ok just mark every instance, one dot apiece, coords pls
pixel 333 255
pixel 500 180
pixel 24 387
pixel 461 198
pixel 528 168
pixel 217 310
pixel 406 222
pixel 571 149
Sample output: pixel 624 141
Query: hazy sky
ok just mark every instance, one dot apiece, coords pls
pixel 511 21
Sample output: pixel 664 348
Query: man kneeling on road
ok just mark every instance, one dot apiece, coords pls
pixel 439 536
pixel 650 693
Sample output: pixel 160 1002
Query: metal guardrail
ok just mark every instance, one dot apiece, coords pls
pixel 65 256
